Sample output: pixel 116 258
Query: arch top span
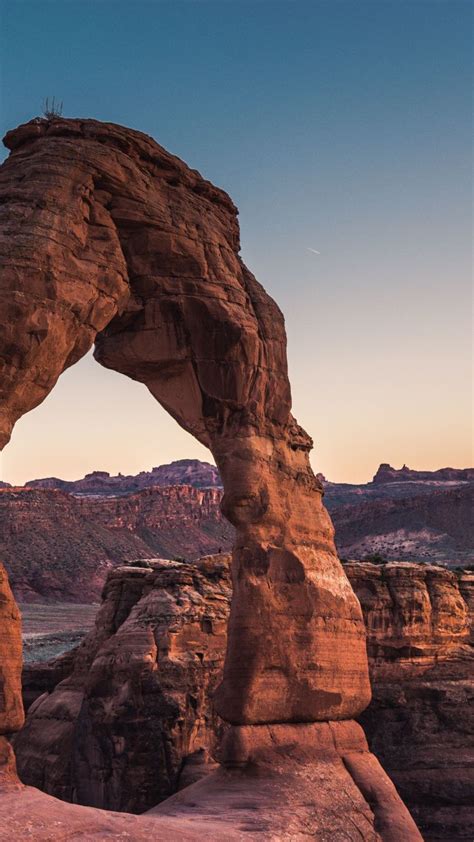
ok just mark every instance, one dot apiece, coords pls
pixel 106 238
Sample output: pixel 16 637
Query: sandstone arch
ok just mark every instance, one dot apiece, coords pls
pixel 111 239
pixel 107 238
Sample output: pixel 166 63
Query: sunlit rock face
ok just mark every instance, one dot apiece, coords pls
pixel 413 612
pixel 107 237
pixel 134 701
pixel 113 723
pixel 11 707
pixel 420 722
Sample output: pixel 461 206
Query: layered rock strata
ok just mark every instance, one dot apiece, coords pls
pixel 115 732
pixel 107 238
pixel 419 722
pixel 11 707
pixel 58 547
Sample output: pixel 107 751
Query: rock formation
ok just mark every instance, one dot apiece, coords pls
pixel 182 472
pixel 419 722
pixel 107 238
pixel 60 547
pixel 59 539
pixel 11 707
pixel 435 527
pixel 134 701
pixel 386 473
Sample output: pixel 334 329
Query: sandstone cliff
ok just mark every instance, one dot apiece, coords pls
pixel 110 724
pixel 435 526
pixel 11 708
pixel 386 473
pixel 60 547
pixel 420 723
pixel 115 731
pixel 59 540
pixel 182 472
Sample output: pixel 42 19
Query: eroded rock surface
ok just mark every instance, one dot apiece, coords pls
pixel 59 539
pixel 106 237
pixel 298 782
pixel 412 612
pixel 59 547
pixel 115 732
pixel 191 472
pixel 419 722
pixel 11 708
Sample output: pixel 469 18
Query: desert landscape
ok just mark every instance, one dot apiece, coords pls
pixel 262 637
pixel 59 539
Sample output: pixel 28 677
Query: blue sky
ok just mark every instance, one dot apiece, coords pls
pixel 342 126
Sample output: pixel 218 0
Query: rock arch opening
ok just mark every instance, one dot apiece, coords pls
pixel 113 241
pixel 106 238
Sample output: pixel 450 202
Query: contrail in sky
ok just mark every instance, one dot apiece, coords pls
pixel 314 251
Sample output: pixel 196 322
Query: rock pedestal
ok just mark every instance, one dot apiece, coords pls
pixel 291 782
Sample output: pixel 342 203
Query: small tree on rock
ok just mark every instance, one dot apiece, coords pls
pixel 52 109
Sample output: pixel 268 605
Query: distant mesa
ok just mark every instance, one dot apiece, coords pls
pixel 191 472
pixel 59 539
pixel 386 473
pixel 199 474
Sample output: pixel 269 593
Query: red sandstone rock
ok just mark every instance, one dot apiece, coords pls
pixel 106 237
pixel 60 547
pixel 11 708
pixel 435 527
pixel 136 702
pixel 104 729
pixel 419 722
pixel 8 773
pixel 287 765
pixel 411 611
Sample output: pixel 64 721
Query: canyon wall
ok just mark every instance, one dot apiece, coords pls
pixel 85 740
pixel 436 527
pixel 59 547
pixel 420 723
pixel 58 544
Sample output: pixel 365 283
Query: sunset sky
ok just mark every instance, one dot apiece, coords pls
pixel 338 126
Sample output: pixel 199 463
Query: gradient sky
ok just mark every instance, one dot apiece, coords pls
pixel 341 126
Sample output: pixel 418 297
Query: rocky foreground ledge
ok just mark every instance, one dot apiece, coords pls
pixel 126 720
